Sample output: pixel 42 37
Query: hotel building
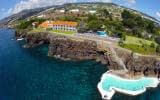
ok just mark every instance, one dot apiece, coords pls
pixel 65 25
pixel 60 25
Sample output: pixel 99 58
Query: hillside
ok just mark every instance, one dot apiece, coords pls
pixel 114 9
pixel 21 15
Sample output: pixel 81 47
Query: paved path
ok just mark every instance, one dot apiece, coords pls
pixel 117 59
pixel 105 43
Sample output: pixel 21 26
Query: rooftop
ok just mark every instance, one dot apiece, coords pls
pixel 67 23
pixel 47 24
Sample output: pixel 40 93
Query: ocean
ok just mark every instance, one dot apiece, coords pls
pixel 29 74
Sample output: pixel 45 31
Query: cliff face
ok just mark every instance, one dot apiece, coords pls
pixel 34 39
pixel 68 48
pixel 140 64
pixel 78 49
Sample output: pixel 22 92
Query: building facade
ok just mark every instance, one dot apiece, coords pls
pixel 60 25
pixel 65 25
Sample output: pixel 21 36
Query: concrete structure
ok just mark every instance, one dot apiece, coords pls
pixel 74 10
pixel 60 25
pixel 110 84
pixel 60 11
pixel 41 16
pixel 92 11
pixel 65 25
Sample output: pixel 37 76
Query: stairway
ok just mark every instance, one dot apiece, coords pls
pixel 117 59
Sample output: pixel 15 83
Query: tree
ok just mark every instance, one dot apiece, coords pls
pixel 127 15
pixel 24 24
pixel 137 32
pixel 158 49
pixel 104 13
pixel 92 17
pixel 140 22
pixel 121 43
pixel 157 39
pixel 130 23
pixel 152 45
pixel 151 27
pixel 95 25
pixel 69 18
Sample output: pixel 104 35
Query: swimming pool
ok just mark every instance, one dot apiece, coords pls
pixel 102 33
pixel 110 83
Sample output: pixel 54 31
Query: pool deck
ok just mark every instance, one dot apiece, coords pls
pixel 107 95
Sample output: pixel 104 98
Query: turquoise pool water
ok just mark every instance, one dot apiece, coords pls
pixel 134 85
pixel 102 33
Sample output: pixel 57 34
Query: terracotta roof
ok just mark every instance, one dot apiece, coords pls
pixel 67 23
pixel 46 24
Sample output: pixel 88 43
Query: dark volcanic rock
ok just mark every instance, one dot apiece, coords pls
pixel 147 65
pixel 68 48
pixel 36 39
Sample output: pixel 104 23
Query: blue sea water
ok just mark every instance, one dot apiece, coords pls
pixel 28 74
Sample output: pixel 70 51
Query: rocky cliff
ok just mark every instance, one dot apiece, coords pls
pixel 65 47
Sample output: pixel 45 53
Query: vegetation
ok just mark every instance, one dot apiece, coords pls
pixel 137 33
pixel 142 49
pixel 139 45
pixel 157 39
pixel 51 31
pixel 63 32
pixel 68 18
pixel 27 24
pixel 137 24
pixel 158 49
pixel 138 41
pixel 94 23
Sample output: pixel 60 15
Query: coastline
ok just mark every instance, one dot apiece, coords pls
pixel 69 47
pixel 74 48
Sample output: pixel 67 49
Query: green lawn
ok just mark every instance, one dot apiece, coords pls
pixel 138 41
pixel 146 50
pixel 37 30
pixel 63 32
pixel 139 45
pixel 52 31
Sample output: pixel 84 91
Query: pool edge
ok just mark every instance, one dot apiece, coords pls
pixel 112 90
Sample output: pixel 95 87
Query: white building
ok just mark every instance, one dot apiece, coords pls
pixel 60 25
pixel 92 11
pixel 65 25
pixel 74 10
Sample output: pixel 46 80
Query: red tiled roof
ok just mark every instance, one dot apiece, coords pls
pixel 47 24
pixel 67 23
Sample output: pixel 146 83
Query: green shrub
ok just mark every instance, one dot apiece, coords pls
pixel 158 49
pixel 152 45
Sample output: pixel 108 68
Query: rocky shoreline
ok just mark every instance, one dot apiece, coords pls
pixel 68 48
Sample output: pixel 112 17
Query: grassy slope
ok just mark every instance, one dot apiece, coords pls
pixel 139 45
pixel 138 41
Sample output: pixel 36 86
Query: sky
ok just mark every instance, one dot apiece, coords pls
pixel 8 7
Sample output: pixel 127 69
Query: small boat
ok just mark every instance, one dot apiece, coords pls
pixel 20 39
